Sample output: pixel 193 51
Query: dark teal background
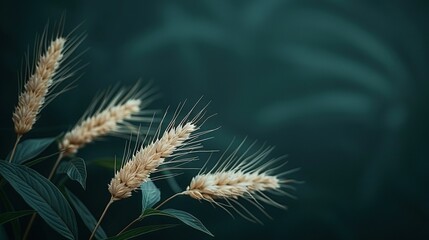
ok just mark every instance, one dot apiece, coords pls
pixel 341 87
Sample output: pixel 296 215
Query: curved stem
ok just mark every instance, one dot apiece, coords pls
pixel 131 223
pixel 101 218
pixel 18 137
pixel 51 174
pixel 38 160
pixel 168 199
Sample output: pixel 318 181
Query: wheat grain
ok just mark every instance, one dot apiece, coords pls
pixel 241 176
pixel 147 160
pixel 175 142
pixel 115 113
pixel 229 184
pixel 36 89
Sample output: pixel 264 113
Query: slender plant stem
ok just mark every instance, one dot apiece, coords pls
pixel 131 223
pixel 101 218
pixel 62 181
pixel 38 160
pixel 168 199
pixel 60 156
pixel 27 230
pixel 18 137
pixel 33 217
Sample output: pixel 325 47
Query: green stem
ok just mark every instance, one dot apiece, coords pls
pixel 38 160
pixel 168 199
pixel 101 218
pixel 54 168
pixel 18 137
pixel 27 230
pixel 131 223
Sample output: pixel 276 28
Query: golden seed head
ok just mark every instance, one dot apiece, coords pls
pixel 248 176
pixel 108 121
pixel 230 184
pixel 36 89
pixel 147 160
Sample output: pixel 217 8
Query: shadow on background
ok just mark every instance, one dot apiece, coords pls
pixel 341 87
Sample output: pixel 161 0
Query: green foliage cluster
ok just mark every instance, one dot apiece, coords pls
pixel 49 202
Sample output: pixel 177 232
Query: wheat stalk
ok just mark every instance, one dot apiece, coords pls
pixel 241 176
pixel 147 160
pixel 230 184
pixel 37 87
pixel 43 78
pixel 175 142
pixel 114 116
pixel 99 125
pixel 116 110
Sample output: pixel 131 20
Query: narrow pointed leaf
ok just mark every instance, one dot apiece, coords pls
pixel 43 196
pixel 140 231
pixel 150 195
pixel 75 169
pixel 187 219
pixel 9 216
pixel 30 148
pixel 87 218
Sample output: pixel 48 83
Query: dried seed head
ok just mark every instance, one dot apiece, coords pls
pixel 113 117
pixel 247 177
pixel 36 89
pixel 147 160
pixel 177 141
pixel 230 184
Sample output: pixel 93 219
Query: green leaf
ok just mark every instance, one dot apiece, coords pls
pixel 140 231
pixel 87 218
pixel 150 195
pixel 16 227
pixel 187 219
pixel 9 216
pixel 30 148
pixel 183 216
pixel 75 169
pixel 43 196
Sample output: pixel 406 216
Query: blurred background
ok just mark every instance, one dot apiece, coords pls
pixel 340 87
